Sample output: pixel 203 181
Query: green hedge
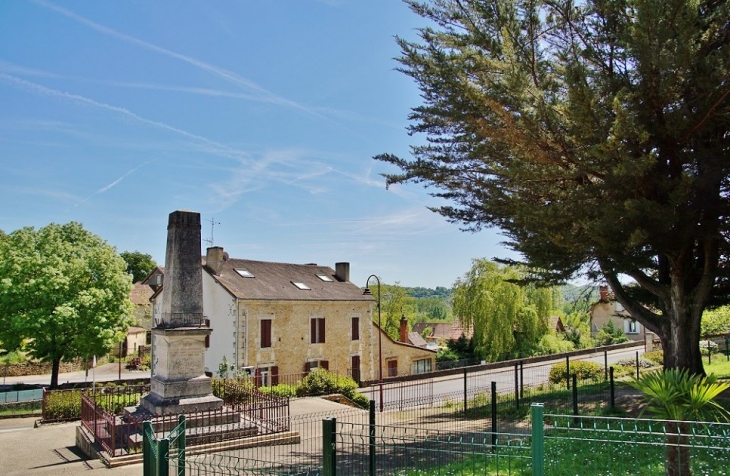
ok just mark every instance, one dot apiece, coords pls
pixel 582 369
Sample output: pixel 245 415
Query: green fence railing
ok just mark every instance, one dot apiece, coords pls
pixel 546 444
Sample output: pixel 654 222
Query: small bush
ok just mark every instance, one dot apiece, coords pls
pixel 643 363
pixel 360 400
pixel 656 356
pixel 582 369
pixel 63 405
pixel 281 390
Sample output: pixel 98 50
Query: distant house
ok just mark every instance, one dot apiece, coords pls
pixel 608 309
pixel 556 324
pixel 441 332
pixel 275 319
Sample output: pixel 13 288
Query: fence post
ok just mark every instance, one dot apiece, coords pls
pixel 181 445
pixel 613 391
pixel 637 365
pixel 567 370
pixel 163 455
pixel 517 388
pixel 147 449
pixel 466 401
pixel 575 394
pixel 538 439
pixel 494 414
pixel 328 447
pixel 522 380
pixel 605 364
pixel 372 437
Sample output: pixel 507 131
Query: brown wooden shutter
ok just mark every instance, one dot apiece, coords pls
pixel 274 375
pixel 313 331
pixel 265 333
pixel 324 364
pixel 321 330
pixel 307 367
pixel 258 377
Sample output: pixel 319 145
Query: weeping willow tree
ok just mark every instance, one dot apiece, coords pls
pixel 507 318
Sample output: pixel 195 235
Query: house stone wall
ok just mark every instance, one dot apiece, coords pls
pixel 605 311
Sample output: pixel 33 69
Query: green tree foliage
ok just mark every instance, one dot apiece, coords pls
pixel 64 293
pixel 716 321
pixel 610 334
pixel 139 264
pixel 594 134
pixel 395 303
pixel 507 318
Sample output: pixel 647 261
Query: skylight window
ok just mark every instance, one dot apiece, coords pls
pixel 325 278
pixel 301 286
pixel 244 272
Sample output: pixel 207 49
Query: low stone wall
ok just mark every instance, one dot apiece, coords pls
pixel 38 368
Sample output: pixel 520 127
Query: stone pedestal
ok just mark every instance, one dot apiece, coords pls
pixel 179 383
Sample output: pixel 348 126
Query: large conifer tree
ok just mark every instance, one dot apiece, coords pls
pixel 594 134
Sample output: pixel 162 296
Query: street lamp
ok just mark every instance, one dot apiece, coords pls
pixel 367 292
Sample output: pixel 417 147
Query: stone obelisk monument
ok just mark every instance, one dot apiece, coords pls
pixel 179 383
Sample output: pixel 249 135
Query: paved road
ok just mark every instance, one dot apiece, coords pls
pixel 102 373
pixel 532 374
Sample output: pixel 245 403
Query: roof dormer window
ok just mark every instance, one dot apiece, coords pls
pixel 301 286
pixel 325 278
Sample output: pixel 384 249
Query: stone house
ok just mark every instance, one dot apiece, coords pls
pixel 608 309
pixel 276 319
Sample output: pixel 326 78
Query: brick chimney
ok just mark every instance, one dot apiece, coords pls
pixel 604 293
pixel 342 271
pixel 214 258
pixel 403 329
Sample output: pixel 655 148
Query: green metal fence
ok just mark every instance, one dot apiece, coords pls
pixel 552 445
pixel 163 454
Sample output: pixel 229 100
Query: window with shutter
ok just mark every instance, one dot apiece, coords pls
pixel 316 330
pixel 355 328
pixel 265 333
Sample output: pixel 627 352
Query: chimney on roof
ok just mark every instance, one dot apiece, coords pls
pixel 403 329
pixel 214 258
pixel 604 293
pixel 342 271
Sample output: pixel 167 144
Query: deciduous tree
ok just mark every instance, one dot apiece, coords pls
pixel 506 318
pixel 139 264
pixel 64 293
pixel 594 134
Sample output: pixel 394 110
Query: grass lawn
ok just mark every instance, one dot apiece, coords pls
pixel 719 366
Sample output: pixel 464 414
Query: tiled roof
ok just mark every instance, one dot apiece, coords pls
pixel 415 339
pixel 141 294
pixel 275 281
pixel 443 330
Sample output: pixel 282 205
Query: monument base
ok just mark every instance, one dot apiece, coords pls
pixel 157 405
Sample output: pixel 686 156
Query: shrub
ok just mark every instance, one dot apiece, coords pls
pixel 62 405
pixel 610 334
pixel 360 400
pixel 553 344
pixel 582 369
pixel 643 363
pixel 656 356
pixel 281 390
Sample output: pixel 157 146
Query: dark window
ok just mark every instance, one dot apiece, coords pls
pixel 265 333
pixel 317 330
pixel 355 328
pixel 392 368
pixel 356 368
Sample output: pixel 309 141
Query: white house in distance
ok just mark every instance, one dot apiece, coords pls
pixel 608 309
pixel 282 318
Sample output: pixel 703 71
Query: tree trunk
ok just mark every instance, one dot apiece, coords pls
pixel 55 366
pixel 678 449
pixel 680 337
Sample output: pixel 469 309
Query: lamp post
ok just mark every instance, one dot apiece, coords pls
pixel 380 337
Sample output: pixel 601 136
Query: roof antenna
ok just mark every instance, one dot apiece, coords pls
pixel 213 223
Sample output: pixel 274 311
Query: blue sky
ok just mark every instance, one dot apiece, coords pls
pixel 263 116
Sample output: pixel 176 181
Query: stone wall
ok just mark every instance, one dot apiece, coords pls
pixel 38 368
